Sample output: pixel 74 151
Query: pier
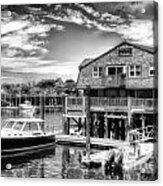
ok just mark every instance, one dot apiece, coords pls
pixel 94 142
pixel 110 118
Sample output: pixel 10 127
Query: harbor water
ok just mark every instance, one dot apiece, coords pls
pixel 65 161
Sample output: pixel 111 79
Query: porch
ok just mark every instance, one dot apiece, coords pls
pixel 77 105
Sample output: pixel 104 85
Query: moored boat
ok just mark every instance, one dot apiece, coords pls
pixel 24 134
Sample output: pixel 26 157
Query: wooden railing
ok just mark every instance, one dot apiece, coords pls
pixel 104 102
pixel 144 103
pixel 75 101
pixel 143 134
pixel 75 106
pixel 108 101
pixel 15 100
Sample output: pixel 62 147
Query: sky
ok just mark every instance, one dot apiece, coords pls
pixel 51 40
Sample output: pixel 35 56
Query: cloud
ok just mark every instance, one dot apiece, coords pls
pixel 39 65
pixel 140 31
pixel 128 28
pixel 10 27
pixel 88 9
pixel 25 36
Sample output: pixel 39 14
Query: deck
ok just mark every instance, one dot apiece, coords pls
pixel 101 143
pixel 76 106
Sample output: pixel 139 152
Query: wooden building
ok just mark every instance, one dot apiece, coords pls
pixel 123 91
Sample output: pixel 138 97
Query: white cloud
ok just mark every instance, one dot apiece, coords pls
pixel 141 31
pixel 13 26
pixel 89 10
pixel 20 35
pixel 19 63
pixel 35 65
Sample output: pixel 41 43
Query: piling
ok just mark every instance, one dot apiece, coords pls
pixel 88 120
pixel 42 111
pixel 128 117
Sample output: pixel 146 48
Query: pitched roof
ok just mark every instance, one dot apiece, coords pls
pixel 148 49
pixel 85 62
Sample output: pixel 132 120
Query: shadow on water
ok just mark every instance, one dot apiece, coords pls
pixel 73 169
pixel 65 162
pixel 17 160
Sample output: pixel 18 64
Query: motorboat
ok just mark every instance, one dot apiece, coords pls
pixel 20 135
pixel 27 109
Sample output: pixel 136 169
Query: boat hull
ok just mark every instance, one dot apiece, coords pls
pixel 16 146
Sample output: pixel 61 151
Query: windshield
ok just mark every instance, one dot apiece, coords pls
pixel 31 126
pixel 18 126
pixel 9 124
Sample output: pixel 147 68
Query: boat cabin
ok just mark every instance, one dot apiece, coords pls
pixel 23 127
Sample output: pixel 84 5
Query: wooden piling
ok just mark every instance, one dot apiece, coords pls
pixel 88 120
pixel 42 111
pixel 68 125
pixel 106 124
pixel 129 118
pixel 143 125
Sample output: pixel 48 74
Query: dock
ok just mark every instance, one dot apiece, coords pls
pixel 100 143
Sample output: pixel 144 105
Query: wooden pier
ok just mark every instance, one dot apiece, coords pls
pixel 100 143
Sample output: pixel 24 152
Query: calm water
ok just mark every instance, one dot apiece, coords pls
pixel 65 162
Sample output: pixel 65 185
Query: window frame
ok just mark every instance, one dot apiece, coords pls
pixel 153 69
pixel 125 55
pixel 30 124
pixel 16 125
pixel 135 71
pixel 9 122
pixel 116 69
pixel 99 74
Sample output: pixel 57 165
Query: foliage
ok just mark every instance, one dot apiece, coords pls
pixel 47 86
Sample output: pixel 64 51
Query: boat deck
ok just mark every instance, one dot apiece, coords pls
pixel 101 143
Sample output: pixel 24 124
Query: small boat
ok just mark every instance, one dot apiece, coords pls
pixel 20 135
pixel 27 109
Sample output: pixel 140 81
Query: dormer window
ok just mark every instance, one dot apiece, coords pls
pixel 151 71
pixel 125 51
pixel 97 72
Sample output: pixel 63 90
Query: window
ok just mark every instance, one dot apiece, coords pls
pixel 18 126
pixel 134 70
pixel 97 71
pixel 10 124
pixel 100 71
pixel 31 126
pixel 151 71
pixel 125 51
pixel 115 70
pixel 119 70
pixel 111 71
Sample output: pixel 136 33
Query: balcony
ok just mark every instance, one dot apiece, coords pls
pixel 77 105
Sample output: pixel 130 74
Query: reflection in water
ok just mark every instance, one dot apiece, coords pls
pixel 65 162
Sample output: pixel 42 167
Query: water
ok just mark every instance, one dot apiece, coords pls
pixel 65 162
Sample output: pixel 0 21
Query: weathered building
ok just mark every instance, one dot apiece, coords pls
pixel 123 91
pixel 126 70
